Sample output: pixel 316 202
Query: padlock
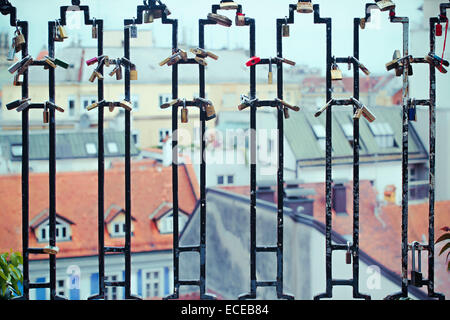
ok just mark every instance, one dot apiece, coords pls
pixel 305 6
pixel 126 105
pixel 45 114
pixel 358 114
pixel 50 62
pixel 385 5
pixel 61 63
pixel 437 62
pixel 148 16
pixel 184 115
pixel 133 73
pixel 412 114
pixel 17 81
pixel 92 106
pixel 23 105
pixel 114 71
pixel 210 112
pixel 53 250
pixel 362 23
pixel 220 19
pixel 174 60
pixel 170 104
pixel 201 61
pixel 98 74
pixel 133 31
pixel 111 107
pixel 94 29
pixel 119 73
pixel 348 254
pixel 270 76
pixel 15 104
pixel 93 76
pixel 287 105
pixel 202 53
pixel 321 110
pixel 253 61
pixel 284 60
pixel 439 30
pixel 285 29
pixel 240 19
pixel 416 275
pixel 228 5
pixel 19 40
pixel 286 113
pixel 12 51
pixel 92 61
pixel 62 32
pixel 25 62
pixel 336 73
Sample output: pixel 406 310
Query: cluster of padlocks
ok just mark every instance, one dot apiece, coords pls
pixel 155 9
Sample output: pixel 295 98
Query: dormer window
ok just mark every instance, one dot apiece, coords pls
pixel 320 133
pixel 163 218
pixel 115 221
pixel 41 227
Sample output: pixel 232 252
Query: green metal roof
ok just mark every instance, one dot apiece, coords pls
pixel 69 145
pixel 305 146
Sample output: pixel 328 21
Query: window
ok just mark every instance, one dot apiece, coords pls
pixel 383 133
pixel 320 133
pixel 62 232
pixel 112 147
pixel 71 105
pixel 16 150
pixel 60 288
pixel 111 293
pixel 230 179
pixel 135 137
pixel 164 98
pixel 166 225
pixel 91 148
pixel 220 180
pixel 152 283
pixel 162 134
pixel 118 229
pixel 86 101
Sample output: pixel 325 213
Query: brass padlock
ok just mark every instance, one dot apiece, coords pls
pixel 126 105
pixel 93 76
pixel 336 73
pixel 201 61
pixel 61 31
pixel 270 76
pixel 133 73
pixel 19 39
pixel 285 29
pixel 94 29
pixel 210 112
pixel 50 62
pixel 362 23
pixel 220 19
pixel 305 6
pixel 286 113
pixel 385 5
pixel 184 115
pixel 228 5
pixel 148 16
pixel 92 106
pixel 358 114
pixel 53 250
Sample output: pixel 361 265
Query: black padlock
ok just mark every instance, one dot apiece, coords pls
pixel 348 254
pixel 416 275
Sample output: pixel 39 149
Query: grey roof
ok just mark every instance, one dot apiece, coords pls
pixel 69 145
pixel 302 139
pixel 230 68
pixel 228 244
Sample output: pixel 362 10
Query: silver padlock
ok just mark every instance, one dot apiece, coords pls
pixel 133 30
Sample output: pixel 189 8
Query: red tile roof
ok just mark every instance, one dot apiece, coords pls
pixel 380 238
pixel 76 199
pixel 366 83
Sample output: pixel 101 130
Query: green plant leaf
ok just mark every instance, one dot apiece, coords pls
pixel 446 247
pixel 3 262
pixel 4 289
pixel 14 259
pixel 2 275
pixel 445 236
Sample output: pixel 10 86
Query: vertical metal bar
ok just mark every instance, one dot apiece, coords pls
pixel 101 171
pixel 127 171
pixel 25 171
pixel 432 176
pixel 52 162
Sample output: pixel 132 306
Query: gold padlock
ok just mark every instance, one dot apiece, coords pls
pixel 305 6
pixel 201 61
pixel 92 77
pixel 94 30
pixel 210 112
pixel 336 73
pixel 19 40
pixel 270 76
pixel 148 16
pixel 133 73
pixel 285 30
pixel 385 5
pixel 184 115
pixel 61 31
pixel 362 23
pixel 228 5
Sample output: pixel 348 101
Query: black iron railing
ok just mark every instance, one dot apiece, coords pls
pixel 154 9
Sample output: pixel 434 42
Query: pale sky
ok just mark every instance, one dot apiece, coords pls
pixel 306 44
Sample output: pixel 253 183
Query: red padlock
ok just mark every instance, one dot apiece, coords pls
pixel 253 61
pixel 438 30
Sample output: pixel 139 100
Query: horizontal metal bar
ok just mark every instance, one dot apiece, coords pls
pixel 267 103
pixel 114 283
pixel 342 102
pixel 266 249
pixel 188 61
pixel 266 283
pixel 39 285
pixel 419 60
pixel 422 102
pixel 36 106
pixel 115 249
pixel 36 251
pixel 189 249
pixel 341 282
pixel 340 247
pixel 189 282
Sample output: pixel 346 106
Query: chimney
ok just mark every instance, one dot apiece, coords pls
pixel 264 191
pixel 339 197
pixel 296 198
